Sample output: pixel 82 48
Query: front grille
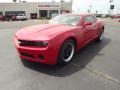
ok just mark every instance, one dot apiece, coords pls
pixel 26 54
pixel 28 43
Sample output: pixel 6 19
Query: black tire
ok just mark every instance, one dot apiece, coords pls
pixel 66 52
pixel 100 38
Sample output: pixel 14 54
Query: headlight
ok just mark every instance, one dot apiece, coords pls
pixel 17 41
pixel 42 44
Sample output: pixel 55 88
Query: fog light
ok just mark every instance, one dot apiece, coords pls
pixel 41 57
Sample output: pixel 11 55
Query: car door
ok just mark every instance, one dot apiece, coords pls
pixel 90 30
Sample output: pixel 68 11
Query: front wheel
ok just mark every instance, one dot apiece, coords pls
pixel 66 52
pixel 100 38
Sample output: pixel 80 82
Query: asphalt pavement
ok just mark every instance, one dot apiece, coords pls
pixel 95 67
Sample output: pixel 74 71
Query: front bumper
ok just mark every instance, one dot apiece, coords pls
pixel 46 55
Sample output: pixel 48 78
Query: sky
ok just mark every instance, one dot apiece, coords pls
pixel 82 6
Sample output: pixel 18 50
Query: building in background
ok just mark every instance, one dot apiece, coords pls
pixel 35 10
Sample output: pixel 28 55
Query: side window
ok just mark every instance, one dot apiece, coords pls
pixel 91 19
pixel 94 19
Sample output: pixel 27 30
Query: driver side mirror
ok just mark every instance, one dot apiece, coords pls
pixel 87 23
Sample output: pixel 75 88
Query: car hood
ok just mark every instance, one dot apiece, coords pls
pixel 42 32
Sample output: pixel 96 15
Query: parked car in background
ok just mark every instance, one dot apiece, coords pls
pixel 115 16
pixel 10 17
pixel 2 17
pixel 54 15
pixel 21 17
pixel 98 15
pixel 13 18
pixel 57 42
pixel 104 16
pixel 118 16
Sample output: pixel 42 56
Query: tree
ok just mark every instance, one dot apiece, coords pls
pixel 14 0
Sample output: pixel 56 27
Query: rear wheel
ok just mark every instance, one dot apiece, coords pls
pixel 66 52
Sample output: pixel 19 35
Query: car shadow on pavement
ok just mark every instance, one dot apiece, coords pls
pixel 82 58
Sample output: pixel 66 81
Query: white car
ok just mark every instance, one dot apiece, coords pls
pixel 54 15
pixel 21 17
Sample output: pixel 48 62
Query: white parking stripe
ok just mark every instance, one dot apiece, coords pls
pixel 99 73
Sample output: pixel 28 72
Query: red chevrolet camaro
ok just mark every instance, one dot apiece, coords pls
pixel 57 42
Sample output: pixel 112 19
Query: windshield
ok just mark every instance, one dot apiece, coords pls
pixel 66 19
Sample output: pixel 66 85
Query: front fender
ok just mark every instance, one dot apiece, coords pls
pixel 60 39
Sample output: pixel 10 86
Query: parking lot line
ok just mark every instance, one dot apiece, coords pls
pixel 98 73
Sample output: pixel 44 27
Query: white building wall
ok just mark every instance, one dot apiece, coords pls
pixel 30 7
pixel 66 6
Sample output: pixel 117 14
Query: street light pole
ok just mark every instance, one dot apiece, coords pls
pixel 110 7
pixel 78 10
pixel 118 11
pixel 90 8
